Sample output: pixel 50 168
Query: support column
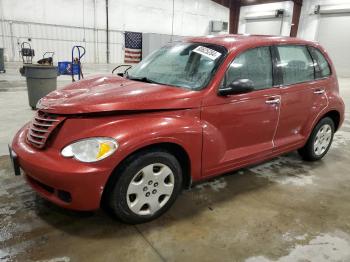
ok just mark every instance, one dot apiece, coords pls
pixel 296 17
pixel 235 6
pixel 107 34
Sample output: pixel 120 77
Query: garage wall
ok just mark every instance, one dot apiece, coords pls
pixel 309 22
pixel 58 25
pixel 330 30
pixel 265 24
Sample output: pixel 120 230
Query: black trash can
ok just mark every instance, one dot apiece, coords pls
pixel 41 80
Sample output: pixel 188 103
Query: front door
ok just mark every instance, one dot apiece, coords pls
pixel 240 128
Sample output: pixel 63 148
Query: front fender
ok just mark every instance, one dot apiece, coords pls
pixel 136 131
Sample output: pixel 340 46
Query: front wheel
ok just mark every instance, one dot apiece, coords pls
pixel 148 184
pixel 319 141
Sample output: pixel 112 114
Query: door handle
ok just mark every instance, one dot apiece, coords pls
pixel 273 101
pixel 319 91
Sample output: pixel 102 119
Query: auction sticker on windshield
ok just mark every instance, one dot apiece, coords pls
pixel 210 53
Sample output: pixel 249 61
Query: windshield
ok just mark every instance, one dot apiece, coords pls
pixel 188 65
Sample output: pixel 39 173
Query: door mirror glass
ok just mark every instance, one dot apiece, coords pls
pixel 238 86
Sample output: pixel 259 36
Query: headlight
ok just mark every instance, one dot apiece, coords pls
pixel 91 149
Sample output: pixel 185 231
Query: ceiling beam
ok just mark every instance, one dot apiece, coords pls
pixel 227 3
pixel 258 2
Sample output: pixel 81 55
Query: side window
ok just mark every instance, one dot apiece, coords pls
pixel 322 66
pixel 255 65
pixel 296 64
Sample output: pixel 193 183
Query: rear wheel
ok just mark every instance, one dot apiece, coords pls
pixel 319 141
pixel 148 185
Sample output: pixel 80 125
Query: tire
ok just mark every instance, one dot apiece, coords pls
pixel 323 133
pixel 147 184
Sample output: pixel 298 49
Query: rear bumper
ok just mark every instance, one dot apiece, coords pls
pixel 65 182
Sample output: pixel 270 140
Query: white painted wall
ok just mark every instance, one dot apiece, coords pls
pixel 58 25
pixel 332 31
pixel 287 20
pixel 308 24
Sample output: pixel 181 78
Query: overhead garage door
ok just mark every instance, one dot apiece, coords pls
pixel 334 35
pixel 270 26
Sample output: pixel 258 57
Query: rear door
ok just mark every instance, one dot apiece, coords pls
pixel 302 96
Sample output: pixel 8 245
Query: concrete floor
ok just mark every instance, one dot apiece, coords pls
pixel 281 210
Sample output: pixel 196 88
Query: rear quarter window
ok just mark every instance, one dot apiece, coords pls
pixel 322 68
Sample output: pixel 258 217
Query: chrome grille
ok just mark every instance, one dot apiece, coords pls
pixel 41 127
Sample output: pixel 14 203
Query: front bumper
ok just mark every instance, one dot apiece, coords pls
pixel 66 182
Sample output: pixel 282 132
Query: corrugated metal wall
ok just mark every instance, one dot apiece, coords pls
pixel 58 25
pixel 60 39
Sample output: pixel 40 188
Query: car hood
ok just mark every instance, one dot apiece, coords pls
pixel 106 93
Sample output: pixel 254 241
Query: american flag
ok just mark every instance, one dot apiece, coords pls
pixel 133 47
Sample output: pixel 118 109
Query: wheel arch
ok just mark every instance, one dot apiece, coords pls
pixel 175 149
pixel 335 116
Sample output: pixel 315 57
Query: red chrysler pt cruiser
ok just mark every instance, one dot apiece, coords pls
pixel 190 111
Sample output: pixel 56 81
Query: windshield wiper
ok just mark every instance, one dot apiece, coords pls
pixel 142 79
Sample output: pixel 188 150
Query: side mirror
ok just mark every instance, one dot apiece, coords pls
pixel 238 86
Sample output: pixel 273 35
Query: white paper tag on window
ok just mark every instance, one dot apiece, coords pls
pixel 210 53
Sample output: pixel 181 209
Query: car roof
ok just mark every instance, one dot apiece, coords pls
pixel 231 41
